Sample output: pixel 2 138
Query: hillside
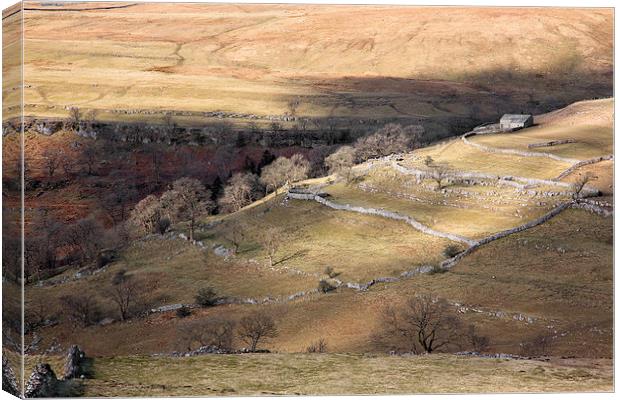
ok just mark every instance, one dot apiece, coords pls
pixel 353 62
pixel 552 279
pixel 194 173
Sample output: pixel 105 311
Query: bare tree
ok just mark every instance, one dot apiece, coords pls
pixel 90 155
pixel 439 173
pixel 422 324
pixel 52 159
pixel 284 171
pixel 156 155
pixel 271 238
pixel 341 162
pixel 320 346
pixel 74 119
pixel 235 233
pixel 241 190
pixel 85 237
pixel 292 105
pixel 82 309
pixel 477 342
pixel 390 139
pixel 126 292
pixel 146 214
pixel 537 345
pixel 255 328
pixel 214 331
pixel 579 184
pixel 169 124
pixel 187 199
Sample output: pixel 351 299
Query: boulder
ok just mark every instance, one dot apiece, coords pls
pixel 74 363
pixel 42 382
pixel 9 383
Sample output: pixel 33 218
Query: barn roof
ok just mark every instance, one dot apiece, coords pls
pixel 515 118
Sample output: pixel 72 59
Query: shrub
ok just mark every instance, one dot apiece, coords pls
pixel 206 297
pixel 325 286
pixel 183 312
pixel 320 346
pixel 451 250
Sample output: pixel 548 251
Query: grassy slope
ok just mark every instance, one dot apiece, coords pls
pixel 589 123
pixel 336 374
pixel 341 60
pixel 559 274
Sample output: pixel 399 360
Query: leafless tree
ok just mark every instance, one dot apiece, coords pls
pixel 222 160
pixel 74 119
pixel 271 239
pixel 579 184
pixel 537 345
pixel 235 233
pixel 292 105
pixel 169 124
pixel 11 244
pixel 390 139
pixel 156 156
pixel 82 309
pixel 90 155
pixel 241 190
pixel 146 214
pixel 52 158
pixel 439 173
pixel 187 199
pixel 320 346
pixel 85 237
pixel 67 164
pixel 255 328
pixel 284 171
pixel 422 324
pixel 341 163
pixel 213 331
pixel 126 293
pixel 478 343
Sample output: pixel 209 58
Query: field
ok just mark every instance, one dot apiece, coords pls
pixel 254 59
pixel 353 250
pixel 590 125
pixel 337 374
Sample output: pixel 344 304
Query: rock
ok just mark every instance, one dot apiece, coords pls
pixel 9 383
pixel 106 321
pixel 222 251
pixel 74 363
pixel 42 382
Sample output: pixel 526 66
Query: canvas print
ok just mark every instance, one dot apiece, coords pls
pixel 285 199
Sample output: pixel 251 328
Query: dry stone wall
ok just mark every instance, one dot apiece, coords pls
pixel 382 213
pixel 514 151
pixel 583 163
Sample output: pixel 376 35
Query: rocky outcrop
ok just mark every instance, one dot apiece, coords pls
pixel 42 382
pixel 74 365
pixel 9 382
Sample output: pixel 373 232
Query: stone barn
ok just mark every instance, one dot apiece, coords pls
pixel 512 122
